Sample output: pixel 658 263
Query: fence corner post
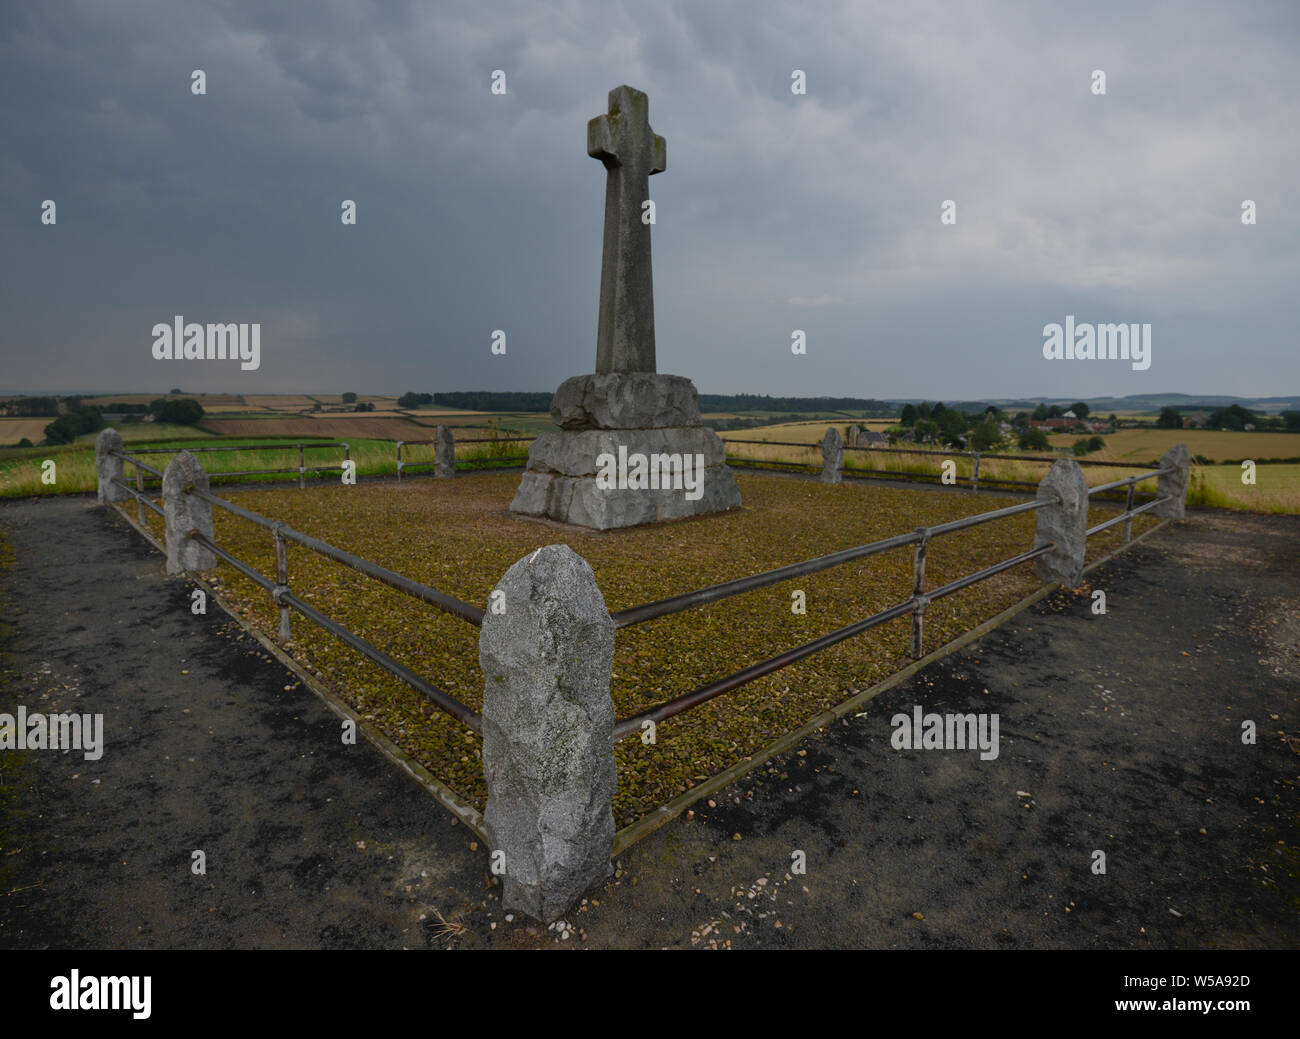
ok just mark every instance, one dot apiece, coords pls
pixel 1063 524
pixel 185 512
pixel 108 467
pixel 1174 484
pixel 444 452
pixel 832 456
pixel 546 649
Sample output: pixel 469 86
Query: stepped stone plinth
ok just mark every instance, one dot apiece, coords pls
pixel 631 447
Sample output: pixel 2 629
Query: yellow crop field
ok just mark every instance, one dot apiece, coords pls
pixel 1276 488
pixel 13 430
pixel 1144 445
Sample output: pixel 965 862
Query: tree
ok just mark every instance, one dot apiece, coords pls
pixel 1096 443
pixel 1033 440
pixel 923 410
pixel 1234 417
pixel 909 416
pixel 986 436
pixel 24 442
pixel 1055 411
pixel 1021 421
pixel 364 405
pixel 952 422
pixel 1080 409
pixel 925 430
pixel 414 400
pixel 183 412
pixel 1169 419
pixel 67 427
pixel 1292 419
pixel 1040 413
pixel 1080 447
pixel 349 398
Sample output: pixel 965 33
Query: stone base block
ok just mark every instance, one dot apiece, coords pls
pixel 606 479
pixel 626 400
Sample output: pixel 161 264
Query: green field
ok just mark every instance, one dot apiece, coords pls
pixel 22 469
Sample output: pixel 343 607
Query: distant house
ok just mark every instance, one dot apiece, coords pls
pixel 1197 420
pixel 870 438
pixel 1070 415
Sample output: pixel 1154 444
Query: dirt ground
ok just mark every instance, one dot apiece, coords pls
pixel 1119 734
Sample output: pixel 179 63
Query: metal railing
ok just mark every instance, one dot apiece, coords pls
pixel 302 468
pixel 403 465
pixel 285 600
pixel 916 604
pixel 975 458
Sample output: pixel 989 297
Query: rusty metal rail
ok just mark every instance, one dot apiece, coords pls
pixel 302 468
pixel 441 600
pixel 915 605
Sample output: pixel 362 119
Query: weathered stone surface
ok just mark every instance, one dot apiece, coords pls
pixel 548 727
pixel 853 432
pixel 1064 525
pixel 577 499
pixel 624 405
pixel 575 453
pixel 626 400
pixel 561 481
pixel 444 452
pixel 832 456
pixel 108 467
pixel 632 153
pixel 1174 484
pixel 183 513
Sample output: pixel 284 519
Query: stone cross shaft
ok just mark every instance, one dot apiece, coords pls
pixel 631 152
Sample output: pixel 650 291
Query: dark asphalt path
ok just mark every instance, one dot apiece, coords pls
pixel 1118 733
pixel 309 842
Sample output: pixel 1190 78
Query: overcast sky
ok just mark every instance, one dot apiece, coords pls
pixel 777 212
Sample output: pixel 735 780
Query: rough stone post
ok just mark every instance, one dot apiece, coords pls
pixel 832 456
pixel 1064 524
pixel 1174 484
pixel 184 512
pixel 108 467
pixel 444 452
pixel 548 731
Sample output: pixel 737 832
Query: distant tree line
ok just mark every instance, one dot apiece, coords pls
pixel 1233 417
pixel 870 407
pixel 485 400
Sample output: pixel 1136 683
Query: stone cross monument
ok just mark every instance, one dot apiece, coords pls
pixel 631 448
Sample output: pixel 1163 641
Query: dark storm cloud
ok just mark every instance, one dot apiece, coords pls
pixel 478 212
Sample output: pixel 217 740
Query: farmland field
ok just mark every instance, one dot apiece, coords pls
pixel 1277 488
pixel 340 426
pixel 1145 445
pixel 478 539
pixel 13 430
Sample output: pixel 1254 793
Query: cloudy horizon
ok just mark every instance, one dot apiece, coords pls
pixel 778 211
